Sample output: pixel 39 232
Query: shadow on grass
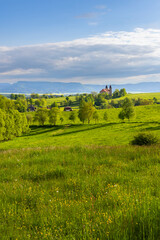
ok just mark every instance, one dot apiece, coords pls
pixel 37 130
pixel 153 128
pixel 88 128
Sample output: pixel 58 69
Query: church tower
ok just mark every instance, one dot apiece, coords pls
pixel 110 88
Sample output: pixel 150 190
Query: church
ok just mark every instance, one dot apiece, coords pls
pixel 107 90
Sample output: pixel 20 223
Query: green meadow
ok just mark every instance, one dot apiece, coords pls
pixel 111 133
pixel 83 181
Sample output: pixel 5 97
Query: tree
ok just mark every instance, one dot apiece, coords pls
pixel 29 118
pixel 121 115
pixel 12 96
pixel 21 105
pixel 37 103
pixel 127 109
pixel 155 100
pixel 116 94
pixel 61 119
pixel 17 122
pixel 12 124
pixel 2 124
pixel 41 116
pixel 86 111
pixel 99 100
pixel 25 125
pixel 95 116
pixel 53 115
pixel 54 104
pixel 72 116
pixel 122 92
pixel 105 116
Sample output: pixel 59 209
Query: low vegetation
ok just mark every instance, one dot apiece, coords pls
pixel 80 193
pixel 144 139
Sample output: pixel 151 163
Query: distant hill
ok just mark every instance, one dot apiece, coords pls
pixel 70 88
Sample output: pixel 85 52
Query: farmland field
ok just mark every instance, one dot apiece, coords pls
pixel 82 181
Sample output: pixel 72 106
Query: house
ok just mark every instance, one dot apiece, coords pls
pixel 68 109
pixel 107 90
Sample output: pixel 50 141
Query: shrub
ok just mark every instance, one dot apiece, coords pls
pixel 144 139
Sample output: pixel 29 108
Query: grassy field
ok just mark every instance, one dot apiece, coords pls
pixel 80 181
pixel 114 132
pixel 80 193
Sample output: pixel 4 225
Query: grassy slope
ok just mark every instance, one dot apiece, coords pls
pixel 82 192
pixel 113 132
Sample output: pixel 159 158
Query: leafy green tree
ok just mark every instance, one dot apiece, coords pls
pixel 53 115
pixel 96 116
pixel 99 100
pixel 29 118
pixel 31 101
pixel 121 115
pixel 122 92
pixel 72 116
pixel 86 111
pixel 17 122
pixel 41 116
pixel 34 95
pixel 127 109
pixel 21 105
pixel 116 94
pixel 54 104
pixel 2 124
pixel 38 102
pixel 155 100
pixel 43 102
pixel 105 116
pixel 6 104
pixel 10 126
pixel 25 124
pixel 12 96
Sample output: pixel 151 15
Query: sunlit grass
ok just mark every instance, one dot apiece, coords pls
pixel 80 193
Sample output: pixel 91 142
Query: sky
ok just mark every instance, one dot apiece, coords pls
pixel 87 41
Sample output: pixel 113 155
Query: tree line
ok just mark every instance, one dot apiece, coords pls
pixel 86 113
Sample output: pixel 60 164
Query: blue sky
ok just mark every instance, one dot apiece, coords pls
pixel 88 41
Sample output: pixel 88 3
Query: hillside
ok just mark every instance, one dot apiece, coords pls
pixel 70 88
pixel 112 132
pixel 79 181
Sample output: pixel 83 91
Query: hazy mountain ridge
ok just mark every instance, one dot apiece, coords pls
pixel 60 87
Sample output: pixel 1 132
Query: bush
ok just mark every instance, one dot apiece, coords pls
pixel 144 139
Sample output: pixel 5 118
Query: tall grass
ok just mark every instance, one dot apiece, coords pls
pixel 80 193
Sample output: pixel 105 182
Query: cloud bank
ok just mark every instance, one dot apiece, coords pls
pixel 116 57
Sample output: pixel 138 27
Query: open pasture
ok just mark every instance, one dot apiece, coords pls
pixel 80 193
pixel 112 132
pixel 82 181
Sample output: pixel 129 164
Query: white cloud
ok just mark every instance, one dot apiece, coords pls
pixel 112 56
pixel 21 72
